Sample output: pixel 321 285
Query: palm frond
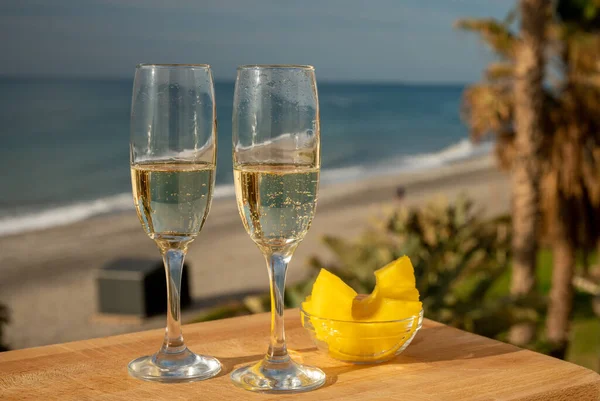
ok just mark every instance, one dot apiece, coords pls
pixel 488 109
pixel 499 71
pixel 496 34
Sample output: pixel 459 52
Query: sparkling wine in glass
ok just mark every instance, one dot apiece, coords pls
pixel 276 160
pixel 173 153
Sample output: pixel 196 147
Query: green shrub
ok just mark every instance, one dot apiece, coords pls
pixel 458 256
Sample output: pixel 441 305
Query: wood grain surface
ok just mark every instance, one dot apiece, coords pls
pixel 442 364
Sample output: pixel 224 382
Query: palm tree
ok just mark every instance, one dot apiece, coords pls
pixel 525 174
pixel 515 85
pixel 568 151
pixel 572 174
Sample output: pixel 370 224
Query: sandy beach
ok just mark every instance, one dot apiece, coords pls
pixel 47 278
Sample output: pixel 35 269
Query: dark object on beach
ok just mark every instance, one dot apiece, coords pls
pixel 136 287
pixel 400 192
pixel 4 320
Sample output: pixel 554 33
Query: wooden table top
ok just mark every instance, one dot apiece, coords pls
pixel 442 364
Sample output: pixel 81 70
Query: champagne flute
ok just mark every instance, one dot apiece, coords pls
pixel 173 150
pixel 276 160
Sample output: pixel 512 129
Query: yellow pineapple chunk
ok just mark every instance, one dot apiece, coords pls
pixel 395 296
pixel 397 280
pixel 331 298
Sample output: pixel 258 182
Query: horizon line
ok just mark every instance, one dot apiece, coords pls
pixel 217 80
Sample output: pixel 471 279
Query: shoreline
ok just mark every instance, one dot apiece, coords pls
pixel 419 165
pixel 47 277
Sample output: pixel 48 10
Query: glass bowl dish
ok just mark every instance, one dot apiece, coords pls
pixel 361 342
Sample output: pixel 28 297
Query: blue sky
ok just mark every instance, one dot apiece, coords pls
pixel 365 40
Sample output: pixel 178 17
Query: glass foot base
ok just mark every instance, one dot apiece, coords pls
pixel 281 377
pixel 184 366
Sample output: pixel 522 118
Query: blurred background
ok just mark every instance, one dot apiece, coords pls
pixel 463 133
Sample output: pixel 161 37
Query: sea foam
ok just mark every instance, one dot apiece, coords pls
pixel 67 214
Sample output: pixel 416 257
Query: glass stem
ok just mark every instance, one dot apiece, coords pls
pixel 277 262
pixel 173 259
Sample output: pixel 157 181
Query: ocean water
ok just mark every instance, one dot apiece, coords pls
pixel 64 143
